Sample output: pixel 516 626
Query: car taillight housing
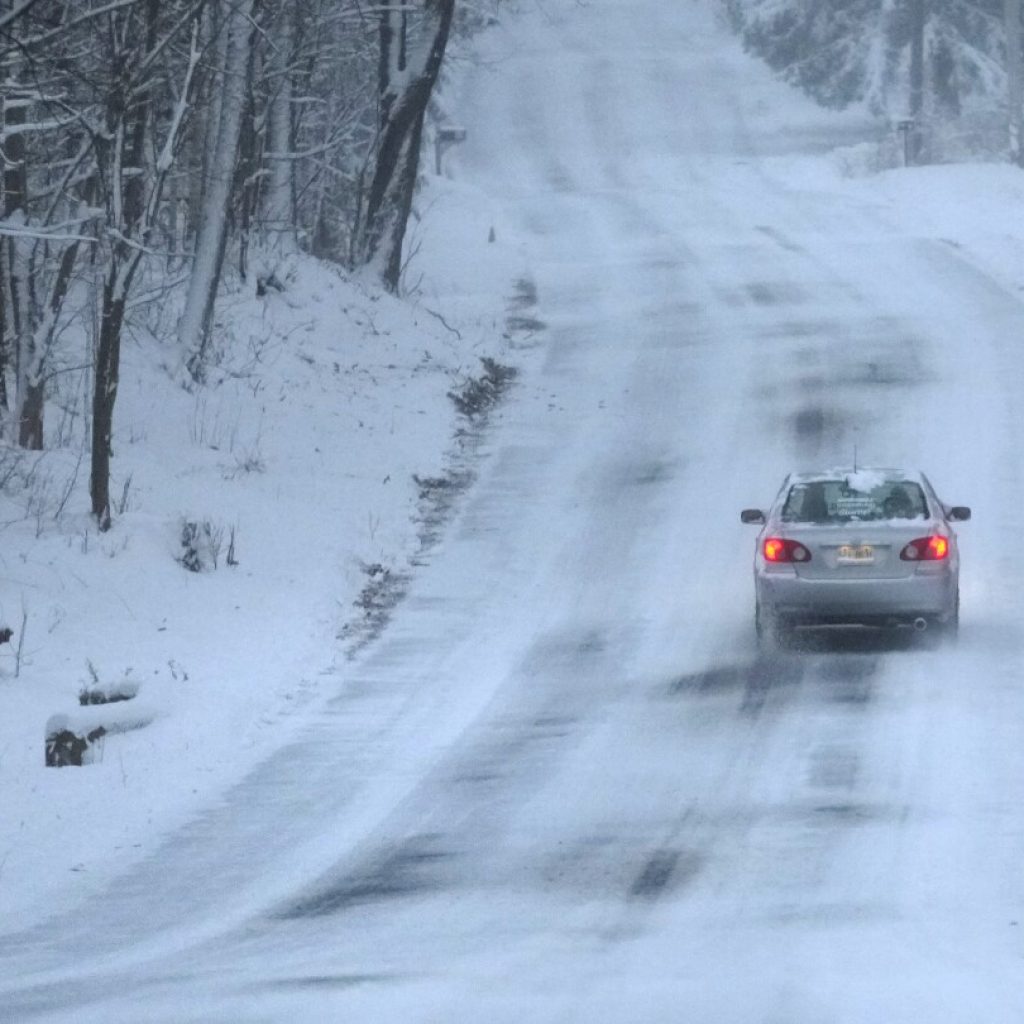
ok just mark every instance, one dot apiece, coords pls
pixel 926 549
pixel 779 549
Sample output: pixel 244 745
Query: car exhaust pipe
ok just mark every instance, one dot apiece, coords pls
pixel 920 624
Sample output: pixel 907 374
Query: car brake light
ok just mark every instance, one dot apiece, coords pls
pixel 926 549
pixel 778 549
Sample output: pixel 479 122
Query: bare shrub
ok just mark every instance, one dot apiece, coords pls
pixel 201 543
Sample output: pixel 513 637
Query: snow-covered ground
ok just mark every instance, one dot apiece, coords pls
pixel 333 398
pixel 562 785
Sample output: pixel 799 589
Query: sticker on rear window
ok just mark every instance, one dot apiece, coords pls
pixel 855 505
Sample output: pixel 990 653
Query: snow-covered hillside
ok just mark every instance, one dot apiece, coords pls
pixel 311 451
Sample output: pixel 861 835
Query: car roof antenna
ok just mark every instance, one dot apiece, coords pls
pixel 855 458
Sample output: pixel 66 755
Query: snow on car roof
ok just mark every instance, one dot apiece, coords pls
pixel 861 479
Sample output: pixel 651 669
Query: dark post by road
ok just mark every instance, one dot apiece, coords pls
pixel 904 128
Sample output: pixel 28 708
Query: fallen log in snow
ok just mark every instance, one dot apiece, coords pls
pixel 70 738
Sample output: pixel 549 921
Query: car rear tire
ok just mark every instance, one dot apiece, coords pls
pixel 772 633
pixel 949 629
pixel 944 630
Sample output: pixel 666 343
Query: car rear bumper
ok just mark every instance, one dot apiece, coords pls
pixel 874 601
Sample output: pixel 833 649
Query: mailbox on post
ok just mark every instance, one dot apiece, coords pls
pixel 447 135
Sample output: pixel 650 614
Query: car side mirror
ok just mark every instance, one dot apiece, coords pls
pixel 754 515
pixel 959 514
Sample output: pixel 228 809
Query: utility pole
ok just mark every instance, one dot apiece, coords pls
pixel 1011 17
pixel 917 23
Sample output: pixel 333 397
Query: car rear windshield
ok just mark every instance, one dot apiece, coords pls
pixel 837 501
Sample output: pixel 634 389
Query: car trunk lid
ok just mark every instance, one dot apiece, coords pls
pixel 858 550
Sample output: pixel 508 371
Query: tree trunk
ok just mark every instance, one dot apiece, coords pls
pixel 31 403
pixel 17 311
pixel 206 120
pixel 1015 120
pixel 248 182
pixel 409 66
pixel 279 193
pixel 5 332
pixel 108 361
pixel 194 325
pixel 30 421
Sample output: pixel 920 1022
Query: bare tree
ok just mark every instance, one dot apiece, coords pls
pixel 15 188
pixel 279 193
pixel 134 35
pixel 334 135
pixel 211 237
pixel 96 95
pixel 412 47
pixel 44 154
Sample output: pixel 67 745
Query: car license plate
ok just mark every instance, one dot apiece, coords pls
pixel 855 554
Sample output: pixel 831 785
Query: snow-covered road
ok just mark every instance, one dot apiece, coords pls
pixel 564 786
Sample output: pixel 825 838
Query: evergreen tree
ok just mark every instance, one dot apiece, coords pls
pixel 849 51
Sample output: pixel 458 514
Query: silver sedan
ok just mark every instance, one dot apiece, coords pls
pixel 868 547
